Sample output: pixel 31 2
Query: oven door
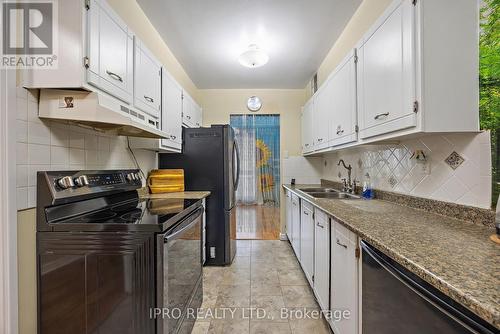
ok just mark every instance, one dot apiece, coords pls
pixel 180 270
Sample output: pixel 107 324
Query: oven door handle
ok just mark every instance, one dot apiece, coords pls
pixel 186 224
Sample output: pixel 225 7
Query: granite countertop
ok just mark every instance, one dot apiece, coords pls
pixel 454 256
pixel 144 193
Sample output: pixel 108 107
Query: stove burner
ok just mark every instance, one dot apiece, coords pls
pixel 131 216
pixel 98 217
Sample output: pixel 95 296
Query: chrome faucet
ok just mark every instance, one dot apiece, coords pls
pixel 349 185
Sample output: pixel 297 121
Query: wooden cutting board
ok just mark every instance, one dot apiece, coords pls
pixel 166 180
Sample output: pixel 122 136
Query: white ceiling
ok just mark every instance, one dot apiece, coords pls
pixel 207 36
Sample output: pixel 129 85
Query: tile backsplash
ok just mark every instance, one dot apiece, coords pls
pixel 392 167
pixel 52 145
pixel 303 170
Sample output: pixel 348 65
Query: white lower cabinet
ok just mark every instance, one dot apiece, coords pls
pixel 329 255
pixel 344 278
pixel 288 214
pixel 307 240
pixel 295 226
pixel 322 259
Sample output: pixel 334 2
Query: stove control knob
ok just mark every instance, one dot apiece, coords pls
pixel 82 181
pixel 130 177
pixel 137 176
pixel 65 182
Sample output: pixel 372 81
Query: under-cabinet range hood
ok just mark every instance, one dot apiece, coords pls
pixel 98 111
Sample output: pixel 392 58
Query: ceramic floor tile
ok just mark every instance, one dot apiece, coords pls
pixel 298 296
pixel 241 262
pixel 242 252
pixel 233 296
pixel 301 326
pixel 265 277
pixel 259 289
pixel 229 327
pixel 200 327
pixel 292 277
pixel 271 305
pixel 269 327
pixel 236 277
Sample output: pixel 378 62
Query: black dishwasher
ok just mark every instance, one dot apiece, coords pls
pixel 396 301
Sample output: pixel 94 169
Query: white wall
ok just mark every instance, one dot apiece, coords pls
pixel 469 184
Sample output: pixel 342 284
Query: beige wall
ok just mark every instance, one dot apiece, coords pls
pixel 219 104
pixel 132 14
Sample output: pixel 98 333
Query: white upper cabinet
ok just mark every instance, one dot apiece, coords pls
pixel 147 80
pixel 407 75
pixel 191 112
pixel 386 73
pixel 110 52
pixel 342 91
pixel 321 117
pixel 171 119
pixel 307 127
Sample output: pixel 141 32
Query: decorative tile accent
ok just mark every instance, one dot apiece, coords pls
pixel 454 160
pixel 393 181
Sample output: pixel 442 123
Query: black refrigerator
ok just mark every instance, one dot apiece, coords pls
pixel 210 159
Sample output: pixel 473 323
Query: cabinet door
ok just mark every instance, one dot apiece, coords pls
pixel 110 52
pixel 307 131
pixel 296 225
pixel 171 119
pixel 386 73
pixel 288 213
pixel 322 259
pixel 344 278
pixel 342 92
pixel 197 116
pixel 321 117
pixel 147 80
pixel 188 110
pixel 307 241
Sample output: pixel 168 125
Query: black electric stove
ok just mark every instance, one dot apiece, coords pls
pixel 107 260
pixel 104 201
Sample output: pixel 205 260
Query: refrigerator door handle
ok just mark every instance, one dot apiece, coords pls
pixel 237 181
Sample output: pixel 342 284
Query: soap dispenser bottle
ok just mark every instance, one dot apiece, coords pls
pixel 367 187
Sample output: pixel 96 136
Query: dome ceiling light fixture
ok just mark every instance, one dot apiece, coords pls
pixel 253 57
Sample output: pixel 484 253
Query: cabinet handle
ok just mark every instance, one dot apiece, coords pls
pixel 173 137
pixel 307 145
pixel 149 99
pixel 198 124
pixel 114 76
pixel 339 132
pixel 341 244
pixel 320 139
pixel 379 116
pixel 319 225
pixel 188 117
pixel 306 213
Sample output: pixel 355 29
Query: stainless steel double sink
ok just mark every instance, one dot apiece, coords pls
pixel 328 193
